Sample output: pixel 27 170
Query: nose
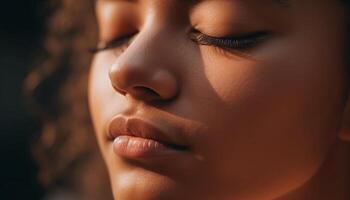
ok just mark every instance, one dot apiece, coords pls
pixel 144 72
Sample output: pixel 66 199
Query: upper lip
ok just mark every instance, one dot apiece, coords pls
pixel 138 127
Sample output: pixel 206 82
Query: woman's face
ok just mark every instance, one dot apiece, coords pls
pixel 219 99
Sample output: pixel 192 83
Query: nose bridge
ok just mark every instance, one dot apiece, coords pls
pixel 145 68
pixel 154 44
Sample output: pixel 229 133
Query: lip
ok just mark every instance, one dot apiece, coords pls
pixel 135 138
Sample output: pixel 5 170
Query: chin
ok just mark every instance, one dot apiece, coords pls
pixel 140 184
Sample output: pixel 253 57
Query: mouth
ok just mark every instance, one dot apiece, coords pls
pixel 136 138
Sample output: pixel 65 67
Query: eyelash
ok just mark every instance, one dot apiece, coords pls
pixel 241 42
pixel 118 43
pixel 236 43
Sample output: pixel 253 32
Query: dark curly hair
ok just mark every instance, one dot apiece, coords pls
pixel 66 149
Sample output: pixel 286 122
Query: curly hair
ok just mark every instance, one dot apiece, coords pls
pixel 66 149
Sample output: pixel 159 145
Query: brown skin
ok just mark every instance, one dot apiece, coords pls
pixel 263 123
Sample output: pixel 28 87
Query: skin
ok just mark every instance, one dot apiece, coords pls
pixel 265 123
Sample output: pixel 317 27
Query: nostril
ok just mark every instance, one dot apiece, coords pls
pixel 145 92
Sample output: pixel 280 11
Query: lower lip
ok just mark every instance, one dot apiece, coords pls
pixel 136 147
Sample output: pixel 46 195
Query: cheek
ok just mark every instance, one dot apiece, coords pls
pixel 279 112
pixel 104 102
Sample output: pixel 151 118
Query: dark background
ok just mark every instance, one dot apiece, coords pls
pixel 21 29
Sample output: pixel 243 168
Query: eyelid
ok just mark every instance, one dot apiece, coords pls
pixel 116 43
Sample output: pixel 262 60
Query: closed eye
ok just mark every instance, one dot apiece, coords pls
pixel 240 42
pixel 119 43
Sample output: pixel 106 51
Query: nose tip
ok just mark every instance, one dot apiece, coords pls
pixel 143 83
